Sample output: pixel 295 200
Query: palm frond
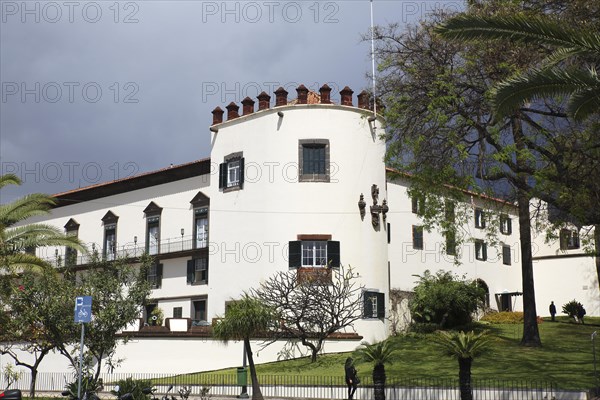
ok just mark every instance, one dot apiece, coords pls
pixel 537 84
pixel 9 179
pixel 519 28
pixel 461 344
pixel 25 207
pixel 377 353
pixel 18 262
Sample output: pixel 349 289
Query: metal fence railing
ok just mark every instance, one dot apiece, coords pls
pixel 318 387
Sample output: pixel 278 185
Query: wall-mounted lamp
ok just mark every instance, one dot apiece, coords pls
pixel 214 129
pixel 280 113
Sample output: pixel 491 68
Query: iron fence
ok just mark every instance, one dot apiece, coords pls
pixel 317 387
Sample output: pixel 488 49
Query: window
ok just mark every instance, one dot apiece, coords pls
pixel 109 250
pixel 110 242
pixel 153 212
pixel 201 228
pixel 479 218
pixel 418 204
pixel 506 256
pixel 314 253
pixel 569 239
pixel 231 172
pixel 417 234
pixel 313 160
pixel 197 271
pixel 480 250
pixel 373 304
pixel 505 224
pixel 71 229
pixel 200 202
pixel 450 242
pixel 198 311
pixel 155 273
pixel 152 235
pixel 149 309
pixel 177 312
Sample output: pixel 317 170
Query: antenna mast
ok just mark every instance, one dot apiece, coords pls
pixel 373 60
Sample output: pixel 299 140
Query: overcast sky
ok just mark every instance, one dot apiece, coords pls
pixel 98 90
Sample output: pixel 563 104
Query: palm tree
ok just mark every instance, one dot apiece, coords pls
pixel 379 354
pixel 244 319
pixel 15 240
pixel 572 45
pixel 464 347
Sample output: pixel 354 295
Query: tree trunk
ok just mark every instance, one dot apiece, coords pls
pixel 597 250
pixel 256 393
pixel 34 373
pixel 464 378
pixel 379 379
pixel 531 334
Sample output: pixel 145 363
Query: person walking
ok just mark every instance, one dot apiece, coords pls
pixel 351 378
pixel 552 310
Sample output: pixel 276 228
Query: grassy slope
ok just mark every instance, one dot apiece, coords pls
pixel 565 359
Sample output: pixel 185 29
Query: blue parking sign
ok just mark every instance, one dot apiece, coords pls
pixel 83 309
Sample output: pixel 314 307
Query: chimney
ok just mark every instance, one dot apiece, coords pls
pixel 302 94
pixel 232 111
pixel 346 94
pixel 363 100
pixel 264 101
pixel 325 92
pixel 217 115
pixel 281 97
pixel 248 106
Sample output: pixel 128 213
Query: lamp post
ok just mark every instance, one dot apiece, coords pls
pixel 182 232
pixel 594 334
pixel 135 246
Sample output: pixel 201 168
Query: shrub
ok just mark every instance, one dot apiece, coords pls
pixel 423 327
pixel 571 308
pixel 133 386
pixel 445 299
pixel 504 317
pixel 89 387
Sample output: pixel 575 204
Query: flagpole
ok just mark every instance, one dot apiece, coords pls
pixel 373 59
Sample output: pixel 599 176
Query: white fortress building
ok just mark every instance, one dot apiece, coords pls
pixel 297 185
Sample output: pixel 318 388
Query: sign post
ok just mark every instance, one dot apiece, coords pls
pixel 83 315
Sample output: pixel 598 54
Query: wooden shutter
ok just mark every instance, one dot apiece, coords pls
pixel 190 271
pixel 506 255
pixel 484 251
pixel 380 305
pixel 222 175
pixel 242 173
pixel 333 253
pixel 295 254
pixel 159 274
pixel 415 205
pixel 508 226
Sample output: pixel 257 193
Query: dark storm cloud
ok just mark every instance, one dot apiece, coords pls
pixel 95 91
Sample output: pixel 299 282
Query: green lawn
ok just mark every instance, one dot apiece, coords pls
pixel 565 359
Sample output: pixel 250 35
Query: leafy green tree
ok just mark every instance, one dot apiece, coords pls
pixel 244 319
pixel 118 289
pixel 38 310
pixel 16 240
pixel 444 299
pixel 379 354
pixel 442 131
pixel 464 347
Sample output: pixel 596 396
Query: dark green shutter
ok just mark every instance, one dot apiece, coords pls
pixel 242 173
pixel 295 254
pixel 190 271
pixel 333 253
pixel 415 206
pixel 222 175
pixel 380 305
pixel 159 274
pixel 509 226
pixel 484 251
pixel 506 255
